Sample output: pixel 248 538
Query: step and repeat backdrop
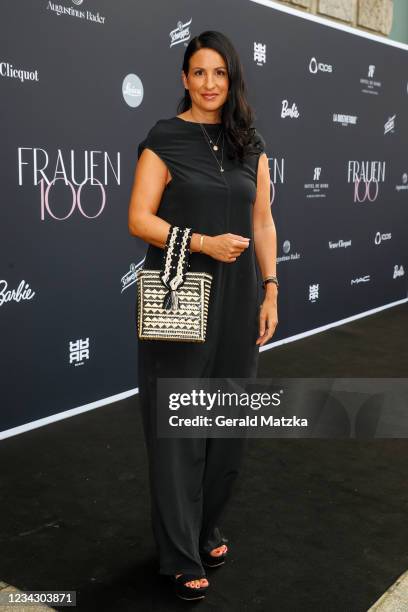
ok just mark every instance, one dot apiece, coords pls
pixel 82 82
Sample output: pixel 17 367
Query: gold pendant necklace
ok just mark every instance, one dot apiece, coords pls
pixel 214 147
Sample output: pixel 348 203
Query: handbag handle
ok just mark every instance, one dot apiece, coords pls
pixel 176 261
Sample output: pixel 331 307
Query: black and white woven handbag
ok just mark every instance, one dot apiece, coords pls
pixel 173 303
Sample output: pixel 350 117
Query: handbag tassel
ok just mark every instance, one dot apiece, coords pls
pixel 171 300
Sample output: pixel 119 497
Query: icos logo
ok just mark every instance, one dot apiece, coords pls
pixel 398 271
pixel 78 351
pixel 288 256
pixel 313 293
pixel 360 279
pixel 315 66
pixel 365 176
pixel 259 54
pixel 181 34
pixel 132 90
pixel 316 189
pixel 379 238
pixel 23 292
pixel 289 111
pixel 83 180
pixel 389 125
pixel 131 277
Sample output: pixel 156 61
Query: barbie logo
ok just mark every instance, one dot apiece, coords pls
pixel 36 163
pixel 287 111
pixel 23 292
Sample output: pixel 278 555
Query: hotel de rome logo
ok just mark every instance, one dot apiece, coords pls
pixel 69 183
pixel 317 188
pixel 181 34
pixel 369 84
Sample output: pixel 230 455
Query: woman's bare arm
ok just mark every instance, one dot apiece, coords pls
pixel 149 183
pixel 264 226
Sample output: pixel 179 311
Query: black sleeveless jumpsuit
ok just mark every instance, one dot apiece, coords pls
pixel 191 478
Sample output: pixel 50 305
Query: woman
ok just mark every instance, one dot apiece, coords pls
pixel 204 169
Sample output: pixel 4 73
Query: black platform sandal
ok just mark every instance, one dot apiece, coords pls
pixel 211 561
pixel 186 592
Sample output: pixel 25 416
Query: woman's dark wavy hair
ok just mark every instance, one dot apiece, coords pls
pixel 236 115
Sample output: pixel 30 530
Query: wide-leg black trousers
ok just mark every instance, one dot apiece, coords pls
pixel 191 479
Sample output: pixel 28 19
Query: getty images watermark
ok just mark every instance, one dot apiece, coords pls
pixel 282 407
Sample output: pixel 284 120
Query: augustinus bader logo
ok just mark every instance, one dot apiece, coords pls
pixel 23 292
pixel 259 53
pixel 131 276
pixel 317 188
pixel 404 183
pixel 366 177
pixel 288 256
pixel 181 34
pixel 369 84
pixel 132 90
pixel 85 177
pixel 88 15
pixel 315 66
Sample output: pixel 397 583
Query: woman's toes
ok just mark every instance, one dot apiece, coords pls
pixel 216 552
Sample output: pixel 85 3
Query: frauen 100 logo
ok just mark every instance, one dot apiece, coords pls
pixel 366 176
pixel 91 167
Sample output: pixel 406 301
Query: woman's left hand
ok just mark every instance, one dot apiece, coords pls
pixel 268 319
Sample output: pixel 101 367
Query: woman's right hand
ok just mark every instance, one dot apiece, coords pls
pixel 225 247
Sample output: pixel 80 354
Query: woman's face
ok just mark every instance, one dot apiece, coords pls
pixel 207 75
